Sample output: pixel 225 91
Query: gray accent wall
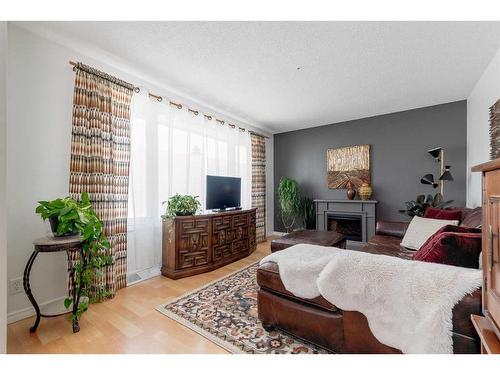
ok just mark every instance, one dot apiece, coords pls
pixel 399 143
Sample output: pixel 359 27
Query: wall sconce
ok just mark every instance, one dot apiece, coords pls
pixel 444 171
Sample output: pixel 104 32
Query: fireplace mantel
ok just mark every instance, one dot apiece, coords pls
pixel 364 209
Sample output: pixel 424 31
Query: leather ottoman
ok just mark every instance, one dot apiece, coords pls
pixel 311 237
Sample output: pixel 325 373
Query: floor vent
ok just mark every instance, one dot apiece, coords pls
pixel 133 278
pixel 148 273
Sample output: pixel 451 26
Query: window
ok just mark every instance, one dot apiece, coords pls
pixel 172 151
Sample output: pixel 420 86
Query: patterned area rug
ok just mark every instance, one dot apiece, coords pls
pixel 225 312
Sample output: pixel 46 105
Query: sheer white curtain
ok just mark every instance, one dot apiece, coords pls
pixel 172 151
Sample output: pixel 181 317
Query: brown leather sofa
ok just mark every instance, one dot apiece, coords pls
pixel 318 321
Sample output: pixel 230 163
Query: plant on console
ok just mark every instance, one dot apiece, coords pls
pixel 289 199
pixel 73 217
pixel 181 205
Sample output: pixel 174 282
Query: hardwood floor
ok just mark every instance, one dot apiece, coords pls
pixel 128 323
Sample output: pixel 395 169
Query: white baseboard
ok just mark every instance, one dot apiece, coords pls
pixel 276 234
pixel 27 312
pixel 146 274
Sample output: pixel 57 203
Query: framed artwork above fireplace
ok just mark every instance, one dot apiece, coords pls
pixel 348 164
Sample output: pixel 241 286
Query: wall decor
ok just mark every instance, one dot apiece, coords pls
pixel 495 130
pixel 346 164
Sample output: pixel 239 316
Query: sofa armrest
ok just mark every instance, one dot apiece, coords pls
pixel 392 228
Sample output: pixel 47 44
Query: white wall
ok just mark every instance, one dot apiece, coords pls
pixel 3 240
pixel 485 93
pixel 40 92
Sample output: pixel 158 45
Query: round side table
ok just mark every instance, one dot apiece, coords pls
pixel 51 244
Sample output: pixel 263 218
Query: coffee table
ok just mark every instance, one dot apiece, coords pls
pixel 312 237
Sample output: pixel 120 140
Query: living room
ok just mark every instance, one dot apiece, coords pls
pixel 250 187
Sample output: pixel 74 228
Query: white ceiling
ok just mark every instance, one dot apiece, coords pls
pixel 348 70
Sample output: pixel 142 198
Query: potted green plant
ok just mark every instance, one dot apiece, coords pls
pixel 418 206
pixel 308 213
pixel 61 214
pixel 72 216
pixel 289 200
pixel 181 205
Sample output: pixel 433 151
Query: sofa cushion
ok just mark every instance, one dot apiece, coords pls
pixel 420 229
pixel 443 214
pixel 456 229
pixel 456 249
pixel 387 245
pixel 392 228
pixel 268 277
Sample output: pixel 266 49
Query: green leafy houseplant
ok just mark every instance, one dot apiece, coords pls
pixel 418 206
pixel 181 205
pixel 308 213
pixel 78 216
pixel 289 200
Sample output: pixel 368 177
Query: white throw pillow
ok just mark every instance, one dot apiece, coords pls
pixel 420 229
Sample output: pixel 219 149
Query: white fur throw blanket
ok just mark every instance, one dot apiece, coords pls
pixel 408 304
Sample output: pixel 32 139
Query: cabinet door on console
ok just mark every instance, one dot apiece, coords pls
pixel 193 249
pixel 240 234
pixel 221 237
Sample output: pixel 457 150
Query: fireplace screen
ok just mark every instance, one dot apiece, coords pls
pixel 349 225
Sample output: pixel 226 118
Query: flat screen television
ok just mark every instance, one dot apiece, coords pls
pixel 223 192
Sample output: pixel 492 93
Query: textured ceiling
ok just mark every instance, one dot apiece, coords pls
pixel 291 75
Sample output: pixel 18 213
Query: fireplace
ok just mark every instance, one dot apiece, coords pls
pixel 355 218
pixel 350 225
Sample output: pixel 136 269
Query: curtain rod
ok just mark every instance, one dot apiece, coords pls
pixel 193 111
pixel 108 77
pixel 258 134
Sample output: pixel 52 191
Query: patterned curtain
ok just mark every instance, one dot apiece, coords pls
pixel 100 153
pixel 259 183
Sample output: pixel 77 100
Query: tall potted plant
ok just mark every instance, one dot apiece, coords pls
pixel 289 202
pixel 308 213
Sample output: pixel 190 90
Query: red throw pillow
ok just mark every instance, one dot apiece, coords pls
pixel 455 249
pixel 448 228
pixel 457 229
pixel 440 214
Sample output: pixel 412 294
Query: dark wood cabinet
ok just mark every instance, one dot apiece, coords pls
pixel 202 243
pixel 488 326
